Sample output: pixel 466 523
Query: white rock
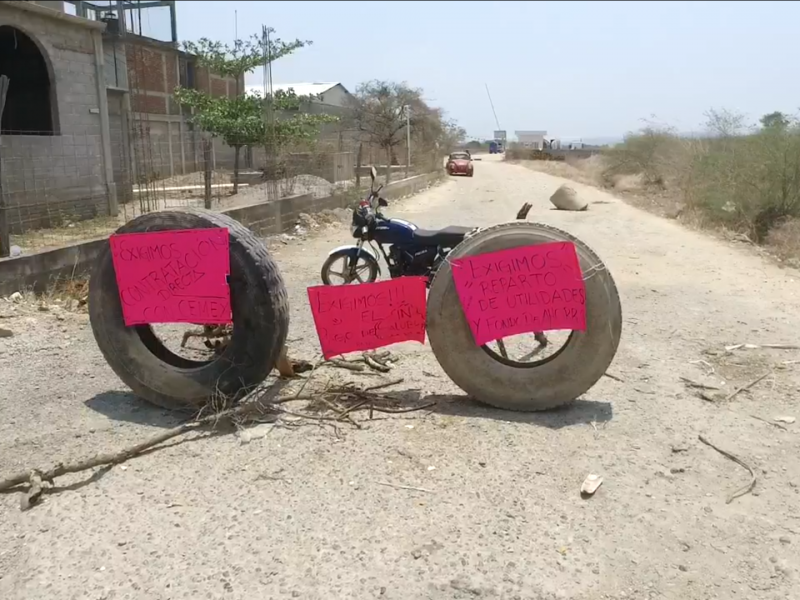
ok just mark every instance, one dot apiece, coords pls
pixel 566 198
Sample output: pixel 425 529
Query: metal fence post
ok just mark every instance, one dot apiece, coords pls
pixel 207 160
pixel 5 241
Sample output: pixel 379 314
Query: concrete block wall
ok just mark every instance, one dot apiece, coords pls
pixel 51 178
pixel 269 218
pixel 39 270
pixel 330 166
pixel 154 69
pixel 115 62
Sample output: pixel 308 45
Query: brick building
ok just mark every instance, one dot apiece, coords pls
pixel 89 111
pixel 55 134
pixel 149 129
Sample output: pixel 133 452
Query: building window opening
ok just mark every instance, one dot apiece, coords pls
pixel 29 104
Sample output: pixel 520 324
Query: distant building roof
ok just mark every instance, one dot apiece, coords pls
pixel 301 89
pixel 531 133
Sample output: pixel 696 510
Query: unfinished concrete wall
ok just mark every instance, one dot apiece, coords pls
pixel 56 177
pixel 163 141
pixel 115 62
pixel 38 270
pixel 156 68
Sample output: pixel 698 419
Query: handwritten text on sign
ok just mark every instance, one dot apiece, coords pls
pixel 173 276
pixel 352 318
pixel 534 288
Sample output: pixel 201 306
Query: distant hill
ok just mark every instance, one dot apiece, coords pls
pixel 603 141
pixel 595 141
pixel 613 140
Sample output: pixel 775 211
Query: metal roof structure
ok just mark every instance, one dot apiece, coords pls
pixel 301 89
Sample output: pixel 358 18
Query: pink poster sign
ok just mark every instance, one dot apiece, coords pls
pixel 173 276
pixel 351 318
pixel 522 290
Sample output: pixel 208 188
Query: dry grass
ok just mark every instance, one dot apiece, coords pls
pixel 784 242
pixel 746 186
pixel 69 294
pixel 38 240
pixel 587 171
pixel 197 178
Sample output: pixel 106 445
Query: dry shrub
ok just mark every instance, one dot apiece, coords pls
pixel 62 293
pixel 516 152
pixel 743 182
pixel 628 183
pixel 655 156
pixel 748 183
pixel 785 241
pixel 584 171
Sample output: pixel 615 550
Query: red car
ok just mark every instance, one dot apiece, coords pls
pixel 459 163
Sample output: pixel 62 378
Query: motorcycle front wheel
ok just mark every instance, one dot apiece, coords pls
pixel 343 268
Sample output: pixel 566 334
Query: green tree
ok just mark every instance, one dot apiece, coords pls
pixel 242 120
pixel 775 120
pixel 242 57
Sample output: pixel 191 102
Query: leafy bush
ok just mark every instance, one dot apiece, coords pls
pixel 749 182
pixel 657 154
pixel 517 152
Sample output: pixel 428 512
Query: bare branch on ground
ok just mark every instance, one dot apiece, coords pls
pixel 744 489
pixel 338 404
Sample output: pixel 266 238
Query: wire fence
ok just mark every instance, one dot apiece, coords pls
pixel 59 190
pixel 51 182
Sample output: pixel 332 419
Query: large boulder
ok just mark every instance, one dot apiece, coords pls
pixel 566 198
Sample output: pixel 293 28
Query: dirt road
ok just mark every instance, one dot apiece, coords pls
pixel 300 514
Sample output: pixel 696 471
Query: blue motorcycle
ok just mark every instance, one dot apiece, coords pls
pixel 407 249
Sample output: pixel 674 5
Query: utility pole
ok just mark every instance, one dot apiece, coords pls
pixel 408 139
pixel 497 122
pixel 494 112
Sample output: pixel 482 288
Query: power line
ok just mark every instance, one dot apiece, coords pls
pixel 497 122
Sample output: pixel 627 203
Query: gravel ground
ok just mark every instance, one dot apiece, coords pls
pixel 299 513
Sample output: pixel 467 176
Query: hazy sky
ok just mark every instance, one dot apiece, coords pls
pixel 575 69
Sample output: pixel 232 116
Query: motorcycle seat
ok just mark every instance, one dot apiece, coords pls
pixel 449 237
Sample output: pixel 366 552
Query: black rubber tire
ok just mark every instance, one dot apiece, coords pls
pixel 373 266
pixel 568 374
pixel 260 308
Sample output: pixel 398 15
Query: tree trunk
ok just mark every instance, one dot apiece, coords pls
pixel 388 165
pixel 236 151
